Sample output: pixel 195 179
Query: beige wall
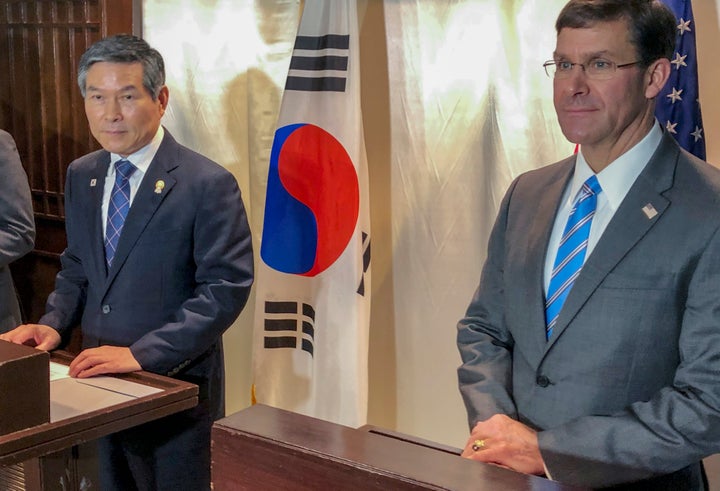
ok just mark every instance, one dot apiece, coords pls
pixel 707 15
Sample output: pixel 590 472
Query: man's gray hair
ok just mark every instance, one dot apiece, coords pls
pixel 125 48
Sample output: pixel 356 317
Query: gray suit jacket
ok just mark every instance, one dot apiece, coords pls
pixel 627 388
pixel 17 227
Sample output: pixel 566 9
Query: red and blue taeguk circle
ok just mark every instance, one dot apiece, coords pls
pixel 312 201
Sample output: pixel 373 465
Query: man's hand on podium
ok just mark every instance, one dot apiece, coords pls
pixel 90 362
pixel 102 360
pixel 506 442
pixel 35 335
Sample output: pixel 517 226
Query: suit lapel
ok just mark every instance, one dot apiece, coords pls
pixel 627 227
pixel 146 203
pixel 97 185
pixel 538 239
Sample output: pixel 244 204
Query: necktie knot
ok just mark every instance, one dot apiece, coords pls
pixel 124 168
pixel 590 186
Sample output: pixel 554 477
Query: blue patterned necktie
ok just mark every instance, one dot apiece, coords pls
pixel 571 251
pixel 118 207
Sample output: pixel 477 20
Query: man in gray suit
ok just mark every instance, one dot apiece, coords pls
pixel 607 376
pixel 156 290
pixel 17 227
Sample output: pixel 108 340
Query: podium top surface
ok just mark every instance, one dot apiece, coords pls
pixel 10 351
pixel 76 420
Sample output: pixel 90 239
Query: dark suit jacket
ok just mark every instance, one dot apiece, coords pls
pixel 17 227
pixel 181 274
pixel 627 388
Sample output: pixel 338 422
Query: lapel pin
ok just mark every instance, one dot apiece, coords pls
pixel 159 186
pixel 93 182
pixel 649 211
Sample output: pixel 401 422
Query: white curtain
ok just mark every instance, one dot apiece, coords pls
pixel 471 108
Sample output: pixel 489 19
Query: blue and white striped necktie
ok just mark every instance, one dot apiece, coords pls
pixel 571 251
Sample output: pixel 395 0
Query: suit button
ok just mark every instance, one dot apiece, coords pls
pixel 105 309
pixel 542 381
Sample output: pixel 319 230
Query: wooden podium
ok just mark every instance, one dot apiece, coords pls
pixel 84 410
pixel 22 367
pixel 263 448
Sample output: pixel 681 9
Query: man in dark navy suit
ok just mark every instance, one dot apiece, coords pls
pixel 155 289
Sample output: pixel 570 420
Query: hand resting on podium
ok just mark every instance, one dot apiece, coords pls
pixel 90 362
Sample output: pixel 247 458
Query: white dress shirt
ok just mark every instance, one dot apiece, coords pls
pixel 615 180
pixel 141 160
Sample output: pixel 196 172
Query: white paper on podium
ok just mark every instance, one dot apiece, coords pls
pixel 72 397
pixel 119 386
pixel 58 371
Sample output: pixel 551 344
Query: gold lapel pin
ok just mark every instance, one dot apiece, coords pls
pixel 649 211
pixel 159 186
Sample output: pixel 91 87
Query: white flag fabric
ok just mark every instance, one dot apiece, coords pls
pixel 310 344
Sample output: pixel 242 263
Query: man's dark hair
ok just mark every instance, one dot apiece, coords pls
pixel 125 48
pixel 651 23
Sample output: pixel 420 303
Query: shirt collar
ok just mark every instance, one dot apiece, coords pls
pixel 142 158
pixel 617 178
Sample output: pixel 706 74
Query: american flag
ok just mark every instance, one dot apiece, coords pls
pixel 678 107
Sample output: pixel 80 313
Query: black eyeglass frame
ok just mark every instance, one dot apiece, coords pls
pixel 551 71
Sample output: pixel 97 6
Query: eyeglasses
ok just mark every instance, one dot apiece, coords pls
pixel 594 69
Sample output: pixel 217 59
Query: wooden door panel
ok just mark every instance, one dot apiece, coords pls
pixel 41 106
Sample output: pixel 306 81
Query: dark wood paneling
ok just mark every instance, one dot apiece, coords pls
pixel 41 106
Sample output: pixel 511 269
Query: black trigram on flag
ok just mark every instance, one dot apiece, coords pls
pixel 290 325
pixel 319 63
pixel 366 262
